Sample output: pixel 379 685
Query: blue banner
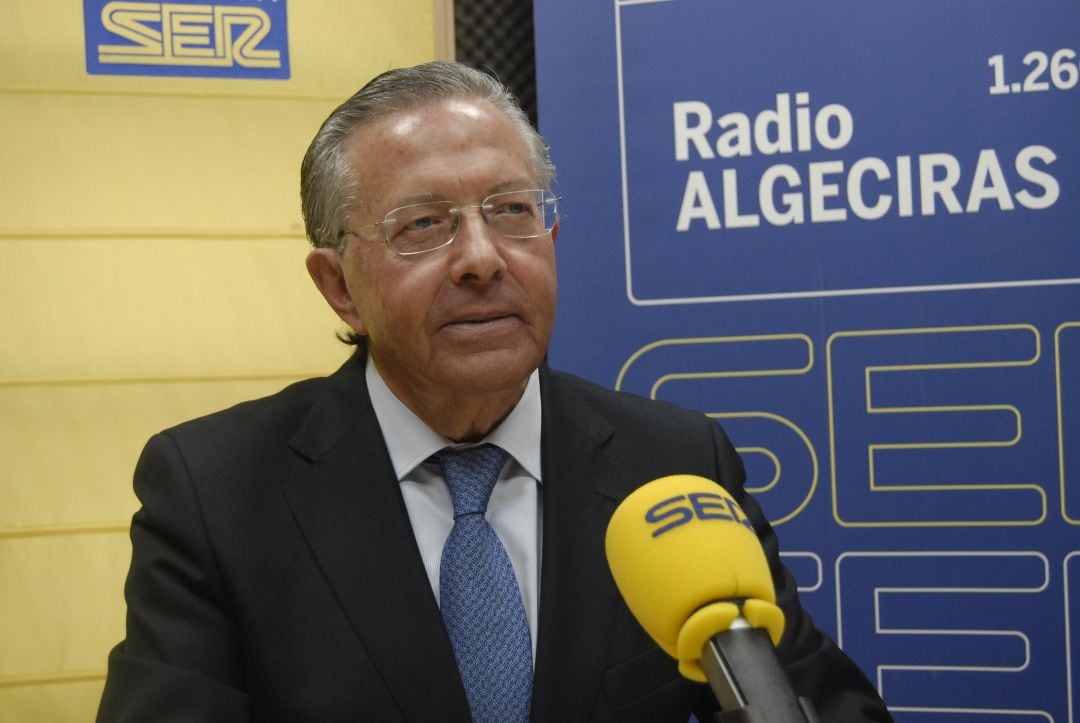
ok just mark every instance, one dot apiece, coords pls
pixel 850 232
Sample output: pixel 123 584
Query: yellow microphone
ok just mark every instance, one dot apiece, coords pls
pixel 692 571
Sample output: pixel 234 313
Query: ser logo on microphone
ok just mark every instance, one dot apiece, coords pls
pixel 676 511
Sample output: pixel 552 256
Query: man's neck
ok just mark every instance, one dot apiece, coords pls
pixel 410 440
pixel 458 417
pixel 464 420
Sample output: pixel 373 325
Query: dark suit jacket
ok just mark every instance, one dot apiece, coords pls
pixel 275 576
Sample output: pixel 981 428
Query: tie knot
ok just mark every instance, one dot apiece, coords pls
pixel 471 475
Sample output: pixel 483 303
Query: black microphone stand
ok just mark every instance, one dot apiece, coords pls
pixel 747 680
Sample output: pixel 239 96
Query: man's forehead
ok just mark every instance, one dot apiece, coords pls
pixel 437 140
pixel 437 113
pixel 411 120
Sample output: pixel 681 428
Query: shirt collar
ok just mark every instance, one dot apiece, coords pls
pixel 410 441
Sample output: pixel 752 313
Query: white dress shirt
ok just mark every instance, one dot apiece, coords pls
pixel 515 507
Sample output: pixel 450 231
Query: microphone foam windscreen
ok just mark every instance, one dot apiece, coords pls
pixel 679 544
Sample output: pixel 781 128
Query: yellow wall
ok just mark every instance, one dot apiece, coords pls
pixel 151 269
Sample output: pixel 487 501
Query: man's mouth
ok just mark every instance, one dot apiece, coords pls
pixel 484 320
pixel 479 322
pixel 480 317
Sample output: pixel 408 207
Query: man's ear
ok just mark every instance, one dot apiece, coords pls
pixel 555 232
pixel 326 268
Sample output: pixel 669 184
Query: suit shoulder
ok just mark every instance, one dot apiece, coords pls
pixel 279 412
pixel 657 438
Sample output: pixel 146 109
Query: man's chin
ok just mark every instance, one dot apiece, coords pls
pixel 490 371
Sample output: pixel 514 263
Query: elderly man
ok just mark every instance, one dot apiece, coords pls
pixel 419 536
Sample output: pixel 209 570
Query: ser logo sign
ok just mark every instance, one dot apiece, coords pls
pixel 222 39
pixel 679 510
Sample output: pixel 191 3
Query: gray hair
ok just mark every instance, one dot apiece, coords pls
pixel 328 185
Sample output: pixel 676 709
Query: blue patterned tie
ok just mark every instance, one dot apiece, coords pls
pixel 479 596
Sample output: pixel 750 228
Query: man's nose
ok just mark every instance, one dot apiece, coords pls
pixel 476 251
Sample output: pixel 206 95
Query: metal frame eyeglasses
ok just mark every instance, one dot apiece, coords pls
pixel 422 227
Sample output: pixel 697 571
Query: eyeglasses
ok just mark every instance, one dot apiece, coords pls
pixel 422 227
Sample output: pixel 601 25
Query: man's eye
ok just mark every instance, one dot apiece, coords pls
pixel 421 224
pixel 512 208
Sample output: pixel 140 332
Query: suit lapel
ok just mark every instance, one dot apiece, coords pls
pixel 577 595
pixel 350 509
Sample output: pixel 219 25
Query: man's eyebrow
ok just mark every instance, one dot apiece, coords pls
pixel 512 185
pixel 414 198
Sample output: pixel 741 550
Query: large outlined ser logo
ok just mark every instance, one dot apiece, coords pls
pixel 228 38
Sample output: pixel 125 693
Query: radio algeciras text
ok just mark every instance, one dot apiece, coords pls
pixel 874 187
